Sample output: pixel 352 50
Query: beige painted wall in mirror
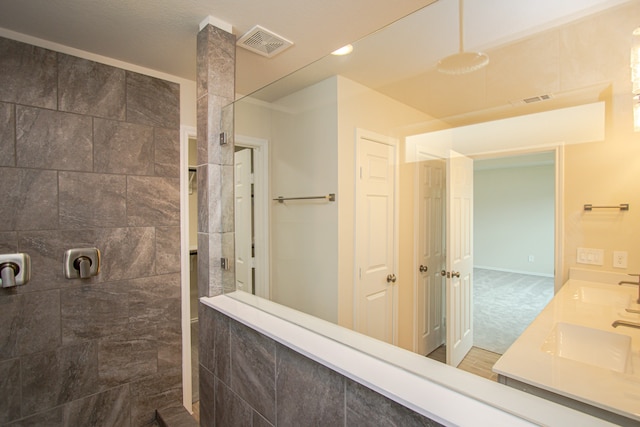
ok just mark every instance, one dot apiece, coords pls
pixel 581 62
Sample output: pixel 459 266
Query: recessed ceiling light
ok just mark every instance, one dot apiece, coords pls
pixel 344 50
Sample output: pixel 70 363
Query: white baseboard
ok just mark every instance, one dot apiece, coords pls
pixel 506 270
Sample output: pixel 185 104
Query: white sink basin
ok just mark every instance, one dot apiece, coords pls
pixel 592 346
pixel 611 297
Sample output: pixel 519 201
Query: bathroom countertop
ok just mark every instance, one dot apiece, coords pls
pixel 534 360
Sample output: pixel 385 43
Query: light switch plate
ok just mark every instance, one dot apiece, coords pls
pixel 590 256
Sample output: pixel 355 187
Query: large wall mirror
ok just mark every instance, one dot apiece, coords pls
pixel 378 192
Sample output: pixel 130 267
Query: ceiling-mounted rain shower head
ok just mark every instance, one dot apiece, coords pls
pixel 263 42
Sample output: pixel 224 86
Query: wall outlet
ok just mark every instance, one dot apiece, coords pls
pixel 590 256
pixel 531 258
pixel 620 259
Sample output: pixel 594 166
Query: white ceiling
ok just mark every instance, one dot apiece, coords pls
pixel 161 34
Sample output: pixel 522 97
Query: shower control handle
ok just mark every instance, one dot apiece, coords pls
pixel 82 263
pixel 15 270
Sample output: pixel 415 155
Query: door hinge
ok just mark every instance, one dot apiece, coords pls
pixel 252 178
pixel 252 263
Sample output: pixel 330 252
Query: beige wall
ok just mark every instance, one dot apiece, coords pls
pixel 361 107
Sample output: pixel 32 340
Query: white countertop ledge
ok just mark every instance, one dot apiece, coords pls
pixel 447 395
pixel 587 304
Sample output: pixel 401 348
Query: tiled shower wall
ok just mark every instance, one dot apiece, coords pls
pixel 89 157
pixel 250 380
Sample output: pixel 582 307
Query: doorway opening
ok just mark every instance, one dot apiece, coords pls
pixel 515 250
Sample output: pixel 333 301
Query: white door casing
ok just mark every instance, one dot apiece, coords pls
pixel 459 289
pixel 429 253
pixel 261 203
pixel 376 236
pixel 243 220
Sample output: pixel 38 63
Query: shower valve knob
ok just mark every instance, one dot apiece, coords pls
pixel 15 270
pixel 81 263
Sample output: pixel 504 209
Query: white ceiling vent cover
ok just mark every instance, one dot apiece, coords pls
pixel 263 42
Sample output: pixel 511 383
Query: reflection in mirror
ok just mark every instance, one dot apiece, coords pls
pixel 452 192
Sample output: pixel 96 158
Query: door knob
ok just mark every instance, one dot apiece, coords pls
pixel 423 269
pixel 391 278
pixel 455 274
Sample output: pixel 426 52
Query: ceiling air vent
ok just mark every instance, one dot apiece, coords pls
pixel 263 42
pixel 531 100
pixel 536 99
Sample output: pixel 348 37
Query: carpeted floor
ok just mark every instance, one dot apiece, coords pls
pixel 504 304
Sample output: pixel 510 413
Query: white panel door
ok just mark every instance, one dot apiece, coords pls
pixel 459 250
pixel 430 260
pixel 243 223
pixel 375 237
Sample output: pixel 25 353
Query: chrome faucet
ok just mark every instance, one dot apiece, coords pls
pixel 617 323
pixel 623 282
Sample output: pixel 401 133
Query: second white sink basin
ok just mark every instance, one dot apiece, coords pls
pixel 587 345
pixel 613 297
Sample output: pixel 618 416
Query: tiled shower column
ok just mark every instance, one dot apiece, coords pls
pixel 215 90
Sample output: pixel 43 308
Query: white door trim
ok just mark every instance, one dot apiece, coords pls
pixel 186 132
pixel 261 211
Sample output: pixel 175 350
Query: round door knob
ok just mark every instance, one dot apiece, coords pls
pixel 423 269
pixel 455 274
pixel 443 273
pixel 391 278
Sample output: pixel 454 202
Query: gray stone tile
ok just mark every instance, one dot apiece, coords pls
pixel 94 311
pixel 8 242
pixel 37 322
pixel 110 408
pixel 155 301
pixel 128 356
pixel 126 252
pixel 169 348
pixel 30 199
pixel 46 249
pixel 92 200
pixel 53 140
pixel 253 369
pixel 215 273
pixel 167 250
pixel 216 62
pixel 202 116
pixel 154 392
pixel 167 152
pixel 259 421
pixel 152 101
pixel 214 344
pixel 52 378
pixel 203 197
pixel 230 410
pixel 7 135
pixel 123 148
pixel 206 392
pixel 10 319
pixel 91 88
pixel 28 74
pixel 10 390
pixel 366 408
pixel 307 392
pixel 204 262
pixel 50 418
pixel 153 201
pixel 217 154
